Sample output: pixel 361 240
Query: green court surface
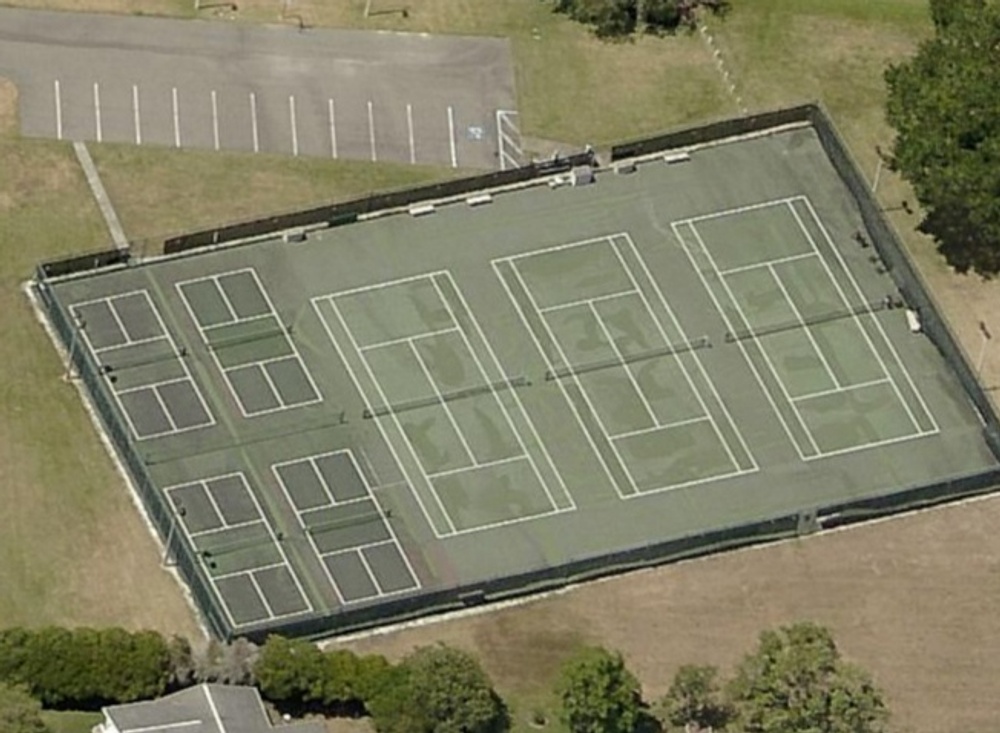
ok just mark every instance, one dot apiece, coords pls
pixel 409 405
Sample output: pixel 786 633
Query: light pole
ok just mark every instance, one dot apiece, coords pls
pixel 78 325
pixel 181 512
pixel 982 348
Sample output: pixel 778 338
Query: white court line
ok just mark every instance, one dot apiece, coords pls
pixel 444 404
pixel 878 325
pixel 253 122
pixel 409 129
pixel 147 387
pixel 586 301
pixel 97 112
pixel 839 390
pixel 487 464
pixel 666 342
pixel 656 428
pixel 732 328
pixel 135 114
pixel 408 339
pixel 330 300
pixel 177 118
pixel 224 527
pixel 215 120
pixel 768 263
pixel 333 128
pixel 757 342
pixel 603 239
pixel 295 131
pixel 260 594
pixel 371 129
pixel 58 97
pixel 211 497
pixel 237 573
pixel 805 327
pixel 551 366
pixel 624 365
pixel 738 210
pixel 451 137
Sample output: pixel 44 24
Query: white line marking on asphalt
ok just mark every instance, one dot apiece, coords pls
pixel 295 132
pixel 409 128
pixel 371 129
pixel 177 119
pixel 333 130
pixel 451 136
pixel 253 122
pixel 215 120
pixel 97 112
pixel 135 114
pixel 59 133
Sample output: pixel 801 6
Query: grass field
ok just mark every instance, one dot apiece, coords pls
pixel 908 601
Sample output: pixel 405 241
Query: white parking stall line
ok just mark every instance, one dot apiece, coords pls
pixel 177 118
pixel 451 137
pixel 291 118
pixel 371 129
pixel 409 130
pixel 333 128
pixel 97 112
pixel 135 114
pixel 253 122
pixel 58 96
pixel 215 120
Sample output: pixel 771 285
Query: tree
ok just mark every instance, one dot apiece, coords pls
pixel 438 689
pixel 945 109
pixel 20 712
pixel 598 694
pixel 290 670
pixel 622 18
pixel 695 700
pixel 796 681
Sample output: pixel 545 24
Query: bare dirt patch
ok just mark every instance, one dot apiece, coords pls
pixel 8 108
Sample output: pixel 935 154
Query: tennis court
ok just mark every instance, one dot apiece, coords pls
pixel 409 413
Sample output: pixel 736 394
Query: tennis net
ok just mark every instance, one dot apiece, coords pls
pixel 702 342
pixel 458 394
pixel 836 315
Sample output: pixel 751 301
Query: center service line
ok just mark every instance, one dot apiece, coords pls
pixel 97 111
pixel 371 129
pixel 295 132
pixel 253 122
pixel 451 136
pixel 333 129
pixel 135 114
pixel 215 120
pixel 59 131
pixel 409 128
pixel 177 120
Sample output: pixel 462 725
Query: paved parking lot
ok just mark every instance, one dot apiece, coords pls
pixel 270 89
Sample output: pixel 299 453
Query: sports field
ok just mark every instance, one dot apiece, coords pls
pixel 409 405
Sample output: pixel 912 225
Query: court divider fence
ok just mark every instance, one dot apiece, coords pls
pixel 807 519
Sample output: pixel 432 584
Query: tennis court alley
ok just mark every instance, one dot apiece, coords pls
pixel 397 415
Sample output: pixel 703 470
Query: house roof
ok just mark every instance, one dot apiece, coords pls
pixel 202 709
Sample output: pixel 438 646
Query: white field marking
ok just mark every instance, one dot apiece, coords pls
pixel 805 327
pixel 759 344
pixel 371 575
pixel 697 361
pixel 517 399
pixel 168 726
pixel 395 420
pixel 136 342
pixel 505 141
pixel 768 263
pixel 624 365
pixel 732 328
pixel 58 97
pixel 451 137
pixel 576 379
pixel 135 114
pixel 548 363
pixel 211 497
pixel 260 594
pixel 839 390
pixel 487 464
pixel 666 341
pixel 147 387
pixel 215 120
pixel 409 130
pixel 858 291
pixel 371 130
pixel 176 503
pixel 163 406
pixel 177 118
pixel 237 525
pixel 486 377
pixel 253 122
pixel 97 112
pixel 444 405
pixel 737 210
pixel 333 128
pixel 657 428
pixel 237 573
pixel 566 245
pixel 407 339
pixel 586 302
pixel 291 118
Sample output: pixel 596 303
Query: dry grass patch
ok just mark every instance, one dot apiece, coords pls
pixel 8 108
pixel 181 8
